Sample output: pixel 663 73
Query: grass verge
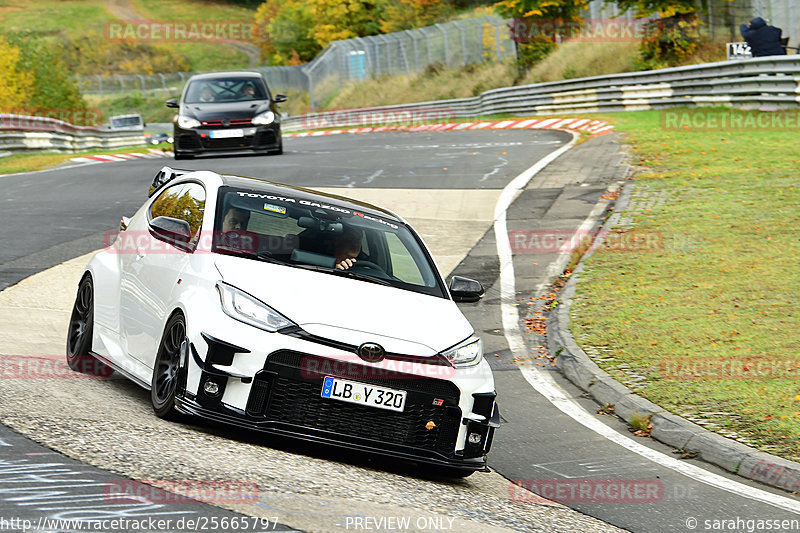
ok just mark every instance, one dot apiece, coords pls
pixel 703 320
pixel 39 161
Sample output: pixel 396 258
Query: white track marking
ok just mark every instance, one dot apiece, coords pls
pixel 543 383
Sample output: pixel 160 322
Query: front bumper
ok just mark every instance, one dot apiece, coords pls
pixel 284 398
pixel 253 138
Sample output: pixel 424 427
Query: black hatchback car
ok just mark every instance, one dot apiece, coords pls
pixel 227 112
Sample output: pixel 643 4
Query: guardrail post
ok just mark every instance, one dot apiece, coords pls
pixel 463 43
pixel 497 42
pixel 446 46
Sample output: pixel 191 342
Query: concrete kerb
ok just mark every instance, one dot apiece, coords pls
pixel 668 428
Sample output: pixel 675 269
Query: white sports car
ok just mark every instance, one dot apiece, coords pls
pixel 292 312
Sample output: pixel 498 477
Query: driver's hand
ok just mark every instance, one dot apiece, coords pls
pixel 344 264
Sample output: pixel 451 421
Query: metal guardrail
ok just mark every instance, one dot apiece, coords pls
pixel 23 133
pixel 763 82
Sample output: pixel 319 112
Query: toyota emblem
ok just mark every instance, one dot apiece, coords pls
pixel 371 352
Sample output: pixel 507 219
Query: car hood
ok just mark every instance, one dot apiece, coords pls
pixel 349 310
pixel 225 110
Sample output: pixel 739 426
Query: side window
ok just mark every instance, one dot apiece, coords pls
pixel 185 201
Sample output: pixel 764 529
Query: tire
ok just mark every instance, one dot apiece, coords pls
pixel 179 157
pixel 279 150
pixel 165 371
pixel 79 335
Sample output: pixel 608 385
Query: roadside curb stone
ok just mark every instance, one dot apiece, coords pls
pixel 667 427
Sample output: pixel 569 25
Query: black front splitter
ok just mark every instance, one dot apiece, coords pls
pixel 302 433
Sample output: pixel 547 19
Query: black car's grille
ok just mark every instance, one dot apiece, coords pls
pixel 234 142
pixel 232 123
pixel 284 392
pixel 188 142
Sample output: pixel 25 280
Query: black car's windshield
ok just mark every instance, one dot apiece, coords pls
pixel 220 90
pixel 324 237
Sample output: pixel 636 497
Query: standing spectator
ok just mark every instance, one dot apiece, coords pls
pixel 763 40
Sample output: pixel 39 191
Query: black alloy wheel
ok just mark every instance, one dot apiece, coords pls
pixel 165 373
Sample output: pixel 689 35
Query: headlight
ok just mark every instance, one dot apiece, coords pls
pixel 467 353
pixel 187 123
pixel 243 307
pixel 264 118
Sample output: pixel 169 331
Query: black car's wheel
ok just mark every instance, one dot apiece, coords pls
pixel 79 336
pixel 178 156
pixel 165 372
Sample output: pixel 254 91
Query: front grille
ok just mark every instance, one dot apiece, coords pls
pixel 233 123
pixel 188 142
pixel 234 142
pixel 284 393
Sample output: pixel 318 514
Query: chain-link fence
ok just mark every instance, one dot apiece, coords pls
pixel 451 44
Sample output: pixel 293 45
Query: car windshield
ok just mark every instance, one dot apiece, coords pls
pixel 322 236
pixel 219 90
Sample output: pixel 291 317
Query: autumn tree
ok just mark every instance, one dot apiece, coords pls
pixel 669 39
pixel 285 32
pixel 344 19
pixel 399 15
pixel 15 83
pixel 537 24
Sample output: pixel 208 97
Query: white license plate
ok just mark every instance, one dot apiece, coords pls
pixel 225 134
pixel 363 394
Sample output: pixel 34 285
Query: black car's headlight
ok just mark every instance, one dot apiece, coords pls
pixel 245 308
pixel 466 353
pixel 187 123
pixel 264 119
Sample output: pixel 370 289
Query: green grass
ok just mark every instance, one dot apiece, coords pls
pixel 721 292
pixel 211 56
pixel 43 160
pixel 53 17
pixel 192 10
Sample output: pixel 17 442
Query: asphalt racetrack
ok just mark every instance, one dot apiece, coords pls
pixel 447 185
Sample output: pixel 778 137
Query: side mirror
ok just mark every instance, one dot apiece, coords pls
pixel 279 98
pixel 465 289
pixel 172 102
pixel 173 230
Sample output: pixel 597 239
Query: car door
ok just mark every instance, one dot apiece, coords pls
pixel 151 275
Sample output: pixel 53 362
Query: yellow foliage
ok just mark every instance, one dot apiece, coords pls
pixel 15 84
